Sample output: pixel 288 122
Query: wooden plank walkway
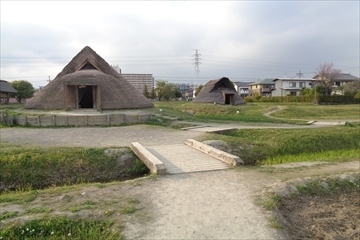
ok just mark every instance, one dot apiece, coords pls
pixel 180 158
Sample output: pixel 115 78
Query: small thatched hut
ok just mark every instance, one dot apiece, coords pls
pixel 88 81
pixel 219 91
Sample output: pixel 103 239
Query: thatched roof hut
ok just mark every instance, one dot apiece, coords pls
pixel 88 81
pixel 219 91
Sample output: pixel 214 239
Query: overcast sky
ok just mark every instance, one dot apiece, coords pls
pixel 242 40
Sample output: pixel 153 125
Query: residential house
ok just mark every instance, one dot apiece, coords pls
pixel 290 86
pixel 5 91
pixel 341 79
pixel 261 88
pixel 242 88
pixel 187 91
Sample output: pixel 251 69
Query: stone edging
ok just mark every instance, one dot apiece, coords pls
pixel 152 162
pixel 216 153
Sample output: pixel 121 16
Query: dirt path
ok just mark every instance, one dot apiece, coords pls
pixel 206 205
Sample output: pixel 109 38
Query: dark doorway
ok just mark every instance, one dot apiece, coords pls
pixel 229 99
pixel 86 97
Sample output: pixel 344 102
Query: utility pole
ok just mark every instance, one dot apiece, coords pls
pixel 197 62
pixel 300 74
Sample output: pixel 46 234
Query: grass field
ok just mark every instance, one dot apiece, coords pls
pixel 276 146
pixel 297 113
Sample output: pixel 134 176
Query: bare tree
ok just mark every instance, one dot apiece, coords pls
pixel 326 74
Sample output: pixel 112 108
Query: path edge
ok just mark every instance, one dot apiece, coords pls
pixel 228 158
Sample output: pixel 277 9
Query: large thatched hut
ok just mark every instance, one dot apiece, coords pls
pixel 88 81
pixel 219 91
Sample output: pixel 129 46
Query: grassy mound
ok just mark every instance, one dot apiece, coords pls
pixel 275 146
pixel 25 168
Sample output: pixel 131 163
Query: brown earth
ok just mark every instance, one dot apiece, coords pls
pixel 335 216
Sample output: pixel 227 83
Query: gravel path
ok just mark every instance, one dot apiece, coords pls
pixel 95 136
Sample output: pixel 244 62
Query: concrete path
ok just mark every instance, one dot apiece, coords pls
pixel 180 158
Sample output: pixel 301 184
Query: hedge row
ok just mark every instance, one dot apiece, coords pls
pixel 338 99
pixel 333 99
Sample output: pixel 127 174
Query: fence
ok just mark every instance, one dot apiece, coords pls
pixel 71 120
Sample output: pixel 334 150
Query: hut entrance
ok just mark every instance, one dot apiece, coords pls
pixel 86 97
pixel 229 99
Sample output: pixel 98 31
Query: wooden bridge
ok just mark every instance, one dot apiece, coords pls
pixel 192 156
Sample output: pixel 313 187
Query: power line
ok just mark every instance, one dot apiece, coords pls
pixel 197 58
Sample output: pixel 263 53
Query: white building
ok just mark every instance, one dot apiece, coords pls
pixel 140 80
pixel 242 88
pixel 290 86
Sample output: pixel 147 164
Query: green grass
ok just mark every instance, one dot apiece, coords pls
pixel 206 112
pixel 330 185
pixel 297 113
pixel 6 215
pixel 26 168
pixel 12 106
pixel 36 210
pixel 62 228
pixel 18 196
pixel 326 156
pixel 274 146
pixel 319 112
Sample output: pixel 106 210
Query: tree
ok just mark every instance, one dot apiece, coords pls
pixel 167 93
pixel 326 73
pixel 175 89
pixel 167 90
pixel 198 89
pixel 350 88
pixel 24 89
pixel 146 92
pixel 305 91
pixel 160 84
pixel 153 94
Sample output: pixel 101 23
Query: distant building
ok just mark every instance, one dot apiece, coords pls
pixel 140 80
pixel 290 86
pixel 5 91
pixel 341 79
pixel 187 91
pixel 242 88
pixel 262 88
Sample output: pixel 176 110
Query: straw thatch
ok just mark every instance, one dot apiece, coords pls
pixel 89 80
pixel 219 91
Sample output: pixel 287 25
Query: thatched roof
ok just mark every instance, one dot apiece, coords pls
pixel 215 91
pixel 6 87
pixel 87 68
